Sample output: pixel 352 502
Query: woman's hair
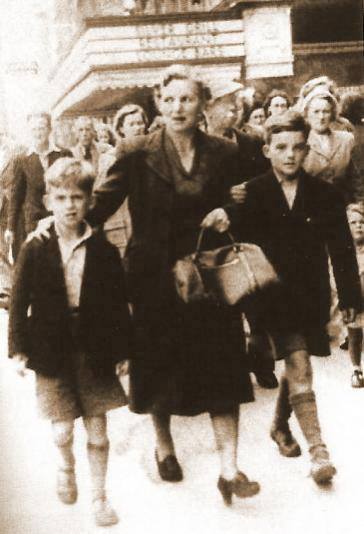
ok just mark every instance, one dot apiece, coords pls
pixel 181 72
pixel 289 121
pixel 105 128
pixel 128 109
pixel 356 208
pixel 273 94
pixel 68 172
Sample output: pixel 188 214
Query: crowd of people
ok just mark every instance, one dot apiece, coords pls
pixel 95 232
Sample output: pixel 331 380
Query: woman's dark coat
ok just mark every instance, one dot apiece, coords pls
pixel 45 337
pixel 189 358
pixel 298 242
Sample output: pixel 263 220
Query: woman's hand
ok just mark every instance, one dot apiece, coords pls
pixel 216 219
pixel 122 368
pixel 20 364
pixel 348 315
pixel 42 229
pixel 238 193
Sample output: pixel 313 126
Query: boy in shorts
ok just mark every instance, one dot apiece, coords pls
pixel 355 330
pixel 69 322
pixel 297 220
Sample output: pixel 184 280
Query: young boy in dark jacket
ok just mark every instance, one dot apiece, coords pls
pixel 299 221
pixel 69 322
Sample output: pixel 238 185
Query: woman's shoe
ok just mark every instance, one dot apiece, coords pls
pixel 169 468
pixel 357 379
pixel 66 486
pixel 240 486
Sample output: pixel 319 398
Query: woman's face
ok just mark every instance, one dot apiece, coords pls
pixel 103 136
pixel 277 106
pixel 319 114
pixel 180 105
pixel 257 117
pixel 133 124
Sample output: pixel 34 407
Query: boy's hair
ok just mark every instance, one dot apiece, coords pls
pixel 356 208
pixel 68 172
pixel 289 121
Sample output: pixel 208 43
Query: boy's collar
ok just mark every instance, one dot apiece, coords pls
pixel 292 180
pixel 87 233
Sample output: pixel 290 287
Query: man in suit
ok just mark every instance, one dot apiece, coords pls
pixel 28 188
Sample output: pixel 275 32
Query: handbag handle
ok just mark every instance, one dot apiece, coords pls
pixel 200 237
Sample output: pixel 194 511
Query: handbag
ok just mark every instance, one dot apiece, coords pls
pixel 234 272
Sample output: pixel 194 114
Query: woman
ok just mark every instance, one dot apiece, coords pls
pixel 330 151
pixel 189 356
pixel 129 121
pixel 105 135
pixel 276 103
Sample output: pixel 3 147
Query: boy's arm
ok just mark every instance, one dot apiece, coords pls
pixel 19 303
pixel 343 256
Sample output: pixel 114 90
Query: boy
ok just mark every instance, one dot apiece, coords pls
pixel 297 220
pixel 355 330
pixel 77 331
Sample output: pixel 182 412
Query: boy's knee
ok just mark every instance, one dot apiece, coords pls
pixel 96 432
pixel 299 369
pixel 62 434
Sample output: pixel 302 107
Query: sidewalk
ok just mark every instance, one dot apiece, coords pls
pixel 289 502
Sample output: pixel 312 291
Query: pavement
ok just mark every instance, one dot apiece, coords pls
pixel 289 501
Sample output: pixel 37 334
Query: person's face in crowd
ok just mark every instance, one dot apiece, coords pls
pixel 286 151
pixel 133 124
pixel 69 205
pixel 85 134
pixel 39 130
pixel 180 105
pixel 277 106
pixel 319 114
pixel 257 117
pixel 103 136
pixel 223 112
pixel 356 223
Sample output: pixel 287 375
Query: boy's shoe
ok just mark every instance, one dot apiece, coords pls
pixel 104 514
pixel 357 379
pixel 322 470
pixel 287 444
pixel 66 486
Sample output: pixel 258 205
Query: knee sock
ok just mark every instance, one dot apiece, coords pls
pixel 98 458
pixel 283 406
pixel 305 409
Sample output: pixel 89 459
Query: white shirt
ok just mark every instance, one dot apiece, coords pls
pixel 73 256
pixel 289 188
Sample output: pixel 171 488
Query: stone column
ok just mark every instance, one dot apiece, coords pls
pixel 268 39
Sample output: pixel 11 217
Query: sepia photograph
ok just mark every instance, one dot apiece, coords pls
pixel 181 266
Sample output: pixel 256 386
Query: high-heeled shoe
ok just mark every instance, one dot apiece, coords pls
pixel 240 486
pixel 169 468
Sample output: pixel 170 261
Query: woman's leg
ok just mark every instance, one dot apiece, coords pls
pixel 66 481
pixel 98 453
pixel 164 440
pixel 226 436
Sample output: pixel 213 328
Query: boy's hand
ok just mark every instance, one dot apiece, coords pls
pixel 238 193
pixel 348 315
pixel 122 368
pixel 42 229
pixel 20 364
pixel 216 219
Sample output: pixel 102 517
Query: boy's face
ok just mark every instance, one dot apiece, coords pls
pixel 286 151
pixel 69 205
pixel 356 223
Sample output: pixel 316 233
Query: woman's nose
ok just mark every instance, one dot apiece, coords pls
pixel 177 105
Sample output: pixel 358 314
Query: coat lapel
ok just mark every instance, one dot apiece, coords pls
pixel 54 269
pixel 156 157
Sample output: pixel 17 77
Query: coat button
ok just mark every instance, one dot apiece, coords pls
pixel 308 219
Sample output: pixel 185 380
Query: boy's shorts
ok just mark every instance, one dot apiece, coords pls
pixel 80 394
pixel 286 342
